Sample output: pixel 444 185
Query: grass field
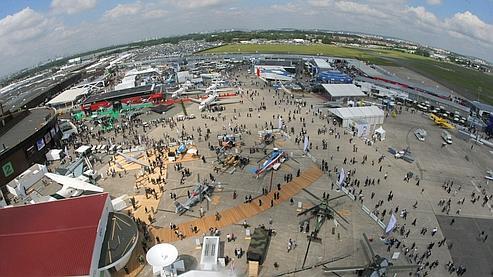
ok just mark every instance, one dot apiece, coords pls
pixel 465 82
pixel 317 49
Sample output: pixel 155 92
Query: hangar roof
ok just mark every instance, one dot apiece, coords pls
pixel 343 90
pixel 32 121
pixel 51 238
pixel 68 96
pixel 357 112
pixel 321 63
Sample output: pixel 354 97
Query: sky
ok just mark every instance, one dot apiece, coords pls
pixel 32 31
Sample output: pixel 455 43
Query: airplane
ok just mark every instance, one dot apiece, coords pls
pixel 212 100
pixel 70 186
pixel 228 141
pixel 200 191
pixel 182 91
pixel 377 266
pixel 268 136
pixel 276 157
pixel 131 159
pixel 216 87
pixel 441 121
pixel 181 149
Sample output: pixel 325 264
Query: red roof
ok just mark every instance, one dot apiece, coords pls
pixel 50 239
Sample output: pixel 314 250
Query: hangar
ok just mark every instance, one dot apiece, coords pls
pixel 342 91
pixel 80 236
pixel 319 65
pixel 25 138
pixel 334 77
pixel 362 119
pixel 68 98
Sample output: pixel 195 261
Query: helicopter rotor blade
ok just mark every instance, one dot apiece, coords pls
pixel 313 195
pixel 308 210
pixel 338 214
pixel 370 249
pixel 337 197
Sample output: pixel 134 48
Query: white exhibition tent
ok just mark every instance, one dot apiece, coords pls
pixel 54 154
pixel 380 132
pixel 372 115
pixel 68 97
pixel 83 149
pixel 336 91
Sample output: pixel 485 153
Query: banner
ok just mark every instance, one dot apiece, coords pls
pixel 363 130
pixel 391 225
pixel 306 143
pixel 280 123
pixel 342 176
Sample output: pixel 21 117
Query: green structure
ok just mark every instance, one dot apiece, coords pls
pixel 259 243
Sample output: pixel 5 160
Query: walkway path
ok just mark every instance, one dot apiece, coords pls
pixel 237 214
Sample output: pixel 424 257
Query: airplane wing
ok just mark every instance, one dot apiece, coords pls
pixel 132 159
pixel 180 208
pixel 69 182
pixel 225 102
pixel 225 89
pixel 195 92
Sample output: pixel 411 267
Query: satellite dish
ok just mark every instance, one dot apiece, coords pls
pixel 162 255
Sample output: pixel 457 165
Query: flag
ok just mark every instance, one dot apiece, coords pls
pixel 391 224
pixel 66 151
pixel 342 176
pixel 305 144
pixel 280 123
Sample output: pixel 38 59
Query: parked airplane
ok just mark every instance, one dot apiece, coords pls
pixel 276 157
pixel 441 121
pixel 217 88
pixel 181 149
pixel 200 191
pixel 70 186
pixel 183 92
pixel 212 100
pixel 131 159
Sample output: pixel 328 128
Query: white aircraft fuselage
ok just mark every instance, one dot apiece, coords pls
pixel 204 104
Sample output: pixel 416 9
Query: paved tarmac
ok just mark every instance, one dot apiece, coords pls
pixel 465 245
pixel 434 166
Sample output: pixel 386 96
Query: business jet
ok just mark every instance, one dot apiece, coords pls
pixel 212 100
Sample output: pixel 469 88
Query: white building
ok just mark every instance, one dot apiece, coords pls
pixel 343 92
pixel 364 119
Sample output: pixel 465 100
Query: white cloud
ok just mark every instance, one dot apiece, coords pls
pixel 22 26
pixel 72 6
pixel 124 10
pixel 28 36
pixel 155 13
pixel 288 7
pixel 423 17
pixel 470 25
pixel 434 2
pixel 320 3
pixel 196 4
pixel 359 9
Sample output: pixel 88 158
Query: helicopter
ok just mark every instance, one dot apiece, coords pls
pixel 377 266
